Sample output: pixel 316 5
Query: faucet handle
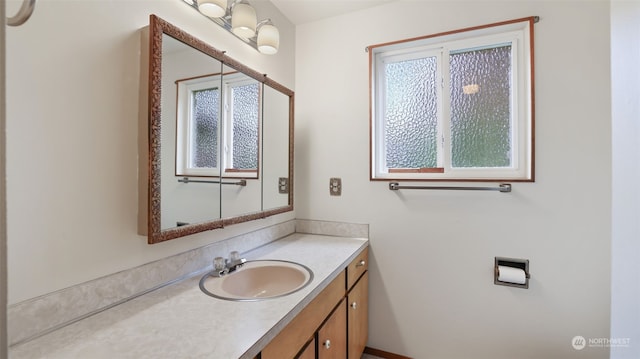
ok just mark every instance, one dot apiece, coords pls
pixel 219 264
pixel 234 256
pixel 235 259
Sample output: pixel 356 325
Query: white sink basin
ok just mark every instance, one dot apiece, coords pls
pixel 258 280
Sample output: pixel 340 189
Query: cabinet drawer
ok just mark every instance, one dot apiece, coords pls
pixel 358 266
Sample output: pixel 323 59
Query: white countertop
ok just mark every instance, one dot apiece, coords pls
pixel 179 321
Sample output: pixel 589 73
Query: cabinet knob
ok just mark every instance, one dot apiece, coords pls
pixel 354 305
pixel 327 344
pixel 361 263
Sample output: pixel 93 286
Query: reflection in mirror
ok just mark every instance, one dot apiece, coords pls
pixel 242 100
pixel 218 123
pixel 190 106
pixel 206 114
pixel 275 154
pixel 197 121
pixel 241 126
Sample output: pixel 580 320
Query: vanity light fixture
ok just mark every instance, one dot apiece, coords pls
pixel 240 19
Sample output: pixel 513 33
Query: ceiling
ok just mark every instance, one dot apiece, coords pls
pixel 303 11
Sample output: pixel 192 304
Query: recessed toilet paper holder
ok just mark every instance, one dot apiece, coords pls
pixel 516 264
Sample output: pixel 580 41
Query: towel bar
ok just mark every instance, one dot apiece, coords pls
pixel 504 187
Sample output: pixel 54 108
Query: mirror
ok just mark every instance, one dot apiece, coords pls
pixel 220 144
pixel 242 98
pixel 183 203
pixel 276 153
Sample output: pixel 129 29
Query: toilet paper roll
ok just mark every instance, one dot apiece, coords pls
pixel 511 275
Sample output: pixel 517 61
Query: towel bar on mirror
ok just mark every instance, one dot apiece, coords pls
pixel 236 183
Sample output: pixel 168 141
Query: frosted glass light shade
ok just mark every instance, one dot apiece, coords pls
pixel 212 8
pixel 243 20
pixel 268 39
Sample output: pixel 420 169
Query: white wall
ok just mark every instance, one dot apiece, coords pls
pixel 625 281
pixel 72 109
pixel 432 292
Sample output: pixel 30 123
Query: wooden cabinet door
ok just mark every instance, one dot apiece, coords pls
pixel 358 317
pixel 309 352
pixel 332 336
pixel 292 338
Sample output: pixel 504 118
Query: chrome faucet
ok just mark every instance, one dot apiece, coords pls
pixel 222 266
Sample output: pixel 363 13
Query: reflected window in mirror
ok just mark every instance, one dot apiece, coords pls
pixel 242 121
pixel 199 126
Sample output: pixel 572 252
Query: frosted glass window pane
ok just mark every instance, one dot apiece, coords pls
pixel 245 126
pixel 480 107
pixel 411 127
pixel 204 129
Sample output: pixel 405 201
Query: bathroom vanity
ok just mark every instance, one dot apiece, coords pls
pixel 328 316
pixel 327 326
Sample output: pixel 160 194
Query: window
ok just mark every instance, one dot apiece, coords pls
pixel 454 106
pixel 242 100
pixel 200 125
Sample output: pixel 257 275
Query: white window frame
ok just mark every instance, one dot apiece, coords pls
pixel 184 124
pixel 230 82
pixel 518 33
